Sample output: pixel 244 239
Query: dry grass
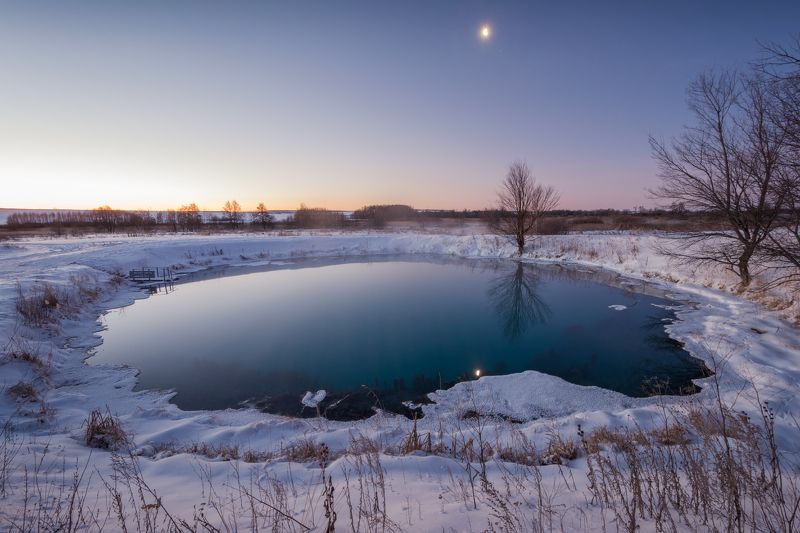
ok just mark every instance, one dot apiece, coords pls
pixel 671 435
pixel 38 305
pixel 104 431
pixel 44 304
pixel 559 449
pixel 306 450
pixel 689 475
pixel 361 444
pixel 23 392
pixel 26 353
pixel 709 424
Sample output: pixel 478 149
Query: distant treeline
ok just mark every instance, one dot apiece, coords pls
pixel 190 218
pixel 101 217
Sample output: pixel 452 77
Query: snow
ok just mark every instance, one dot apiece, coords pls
pixel 747 337
pixel 313 399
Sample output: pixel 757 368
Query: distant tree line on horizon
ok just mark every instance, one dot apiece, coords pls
pixel 191 218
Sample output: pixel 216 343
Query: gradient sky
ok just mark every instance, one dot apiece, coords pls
pixel 341 104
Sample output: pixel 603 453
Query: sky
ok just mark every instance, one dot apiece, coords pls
pixel 153 105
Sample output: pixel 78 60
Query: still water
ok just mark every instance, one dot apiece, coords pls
pixel 387 331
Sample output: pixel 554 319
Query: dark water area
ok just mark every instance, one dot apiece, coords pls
pixel 380 333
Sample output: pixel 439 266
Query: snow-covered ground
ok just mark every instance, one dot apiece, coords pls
pixel 748 338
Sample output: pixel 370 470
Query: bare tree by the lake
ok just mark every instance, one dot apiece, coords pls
pixel 730 163
pixel 233 213
pixel 783 246
pixel 522 202
pixel 262 216
pixel 781 66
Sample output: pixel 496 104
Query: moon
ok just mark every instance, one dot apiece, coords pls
pixel 485 32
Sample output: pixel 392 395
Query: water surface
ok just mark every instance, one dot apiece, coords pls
pixel 383 332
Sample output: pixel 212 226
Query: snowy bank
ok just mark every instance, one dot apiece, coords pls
pixel 744 341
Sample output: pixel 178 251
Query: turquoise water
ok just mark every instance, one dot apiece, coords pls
pixel 378 333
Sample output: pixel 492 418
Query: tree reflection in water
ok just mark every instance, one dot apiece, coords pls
pixel 517 302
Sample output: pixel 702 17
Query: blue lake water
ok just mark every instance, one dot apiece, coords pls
pixel 383 332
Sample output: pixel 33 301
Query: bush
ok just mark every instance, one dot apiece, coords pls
pixel 378 215
pixel 317 217
pixel 553 226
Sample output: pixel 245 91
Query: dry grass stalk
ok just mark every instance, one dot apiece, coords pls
pixel 104 431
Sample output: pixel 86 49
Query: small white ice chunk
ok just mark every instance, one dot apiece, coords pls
pixel 618 307
pixel 313 399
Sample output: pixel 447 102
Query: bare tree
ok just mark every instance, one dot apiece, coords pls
pixel 728 164
pixel 783 247
pixel 172 219
pixel 781 66
pixel 189 217
pixel 233 213
pixel 522 202
pixel 262 216
pixel 105 217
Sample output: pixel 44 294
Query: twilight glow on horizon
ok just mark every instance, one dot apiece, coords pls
pixel 152 105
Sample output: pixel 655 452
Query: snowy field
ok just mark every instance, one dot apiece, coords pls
pixel 459 468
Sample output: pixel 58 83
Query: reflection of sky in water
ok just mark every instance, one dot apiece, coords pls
pixel 391 326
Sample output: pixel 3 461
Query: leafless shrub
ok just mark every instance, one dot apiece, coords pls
pixel 104 431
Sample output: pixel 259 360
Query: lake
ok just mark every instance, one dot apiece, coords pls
pixel 385 332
